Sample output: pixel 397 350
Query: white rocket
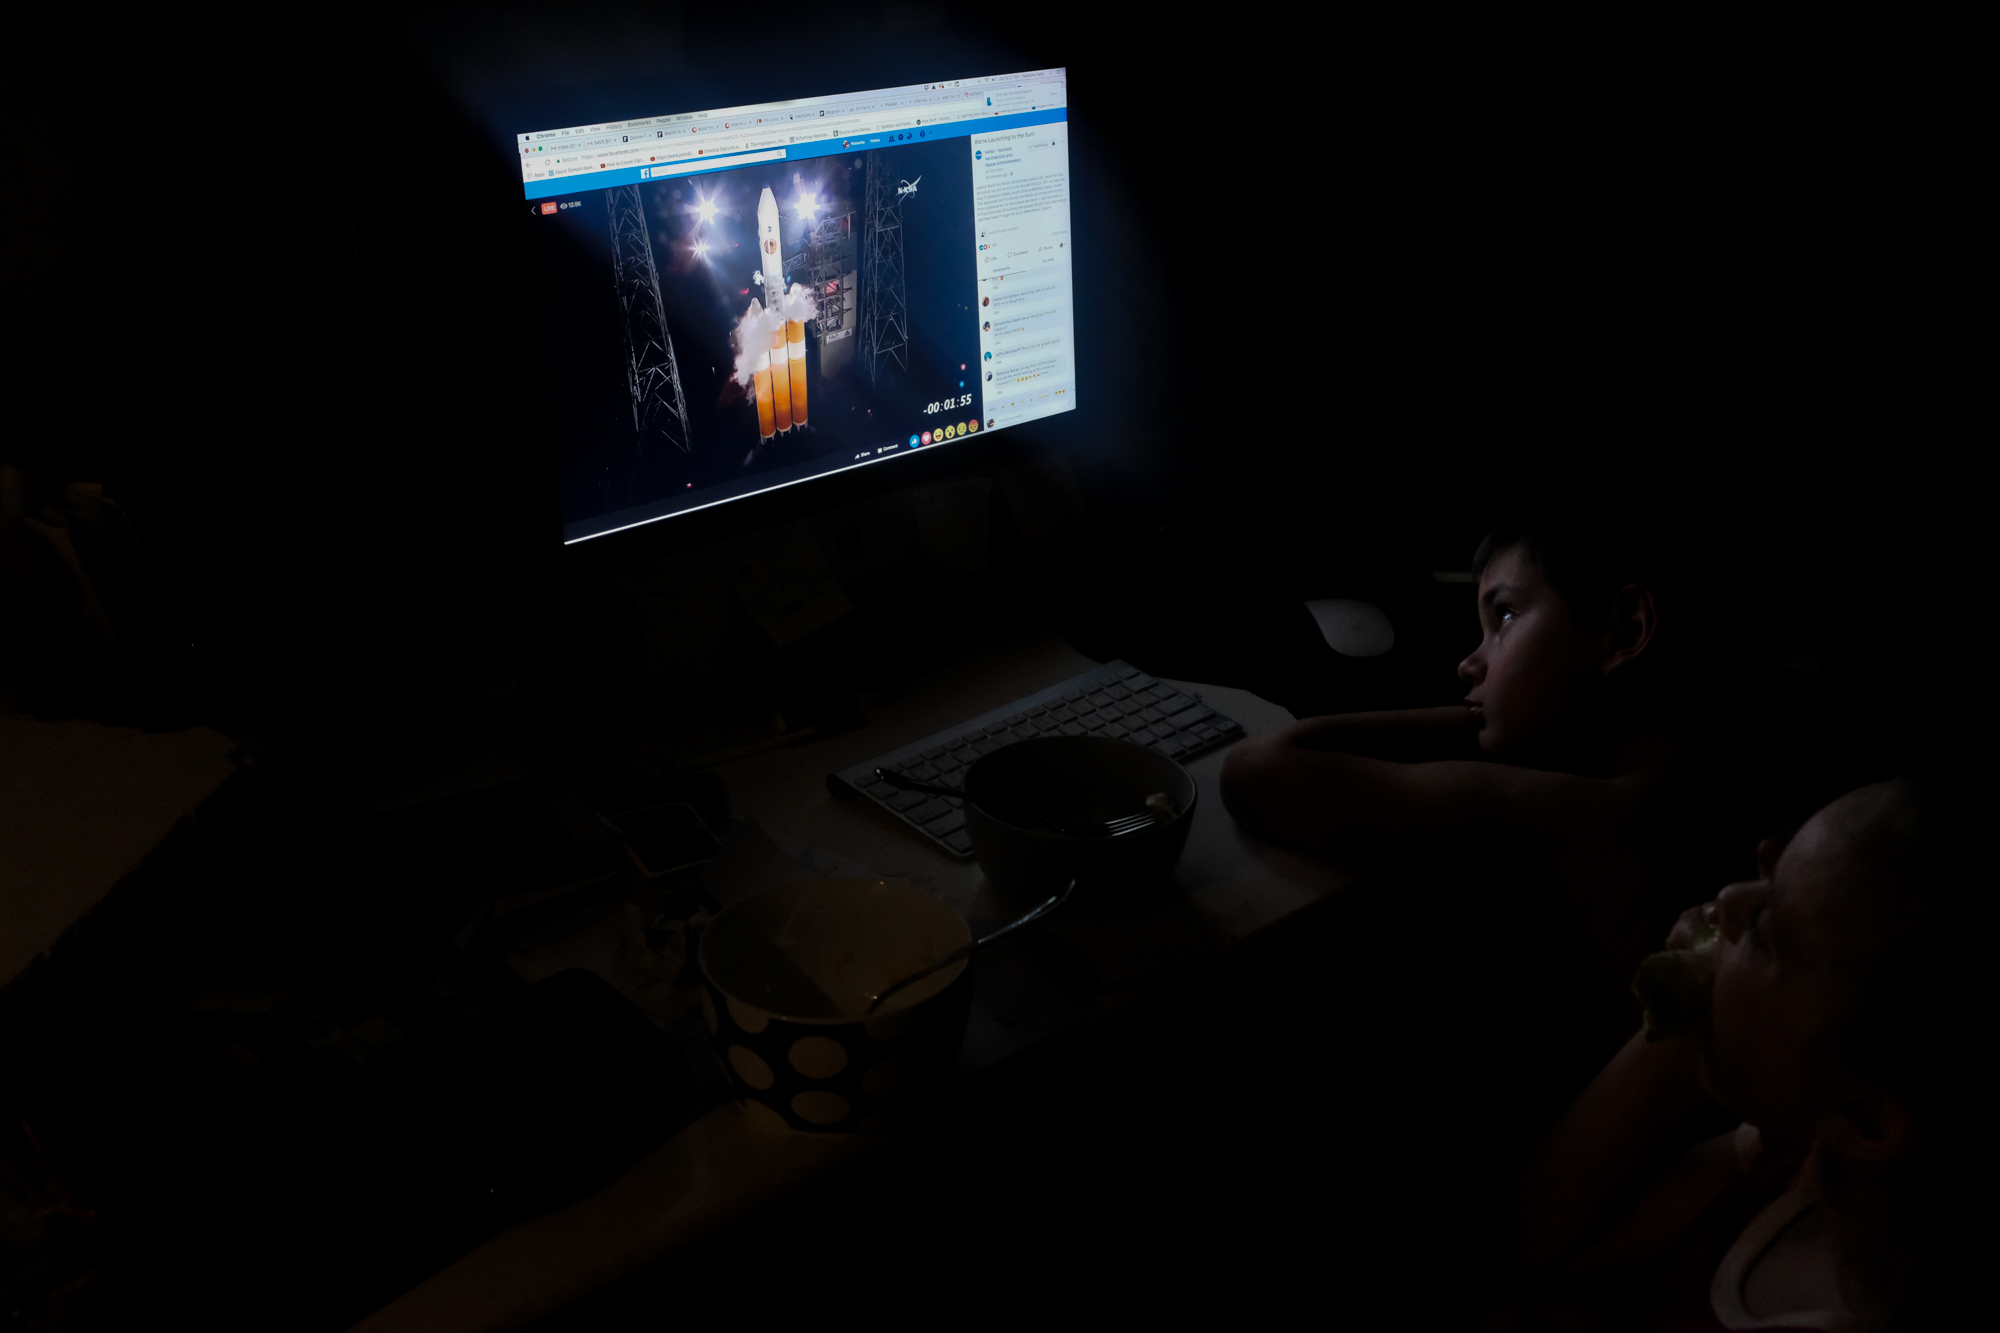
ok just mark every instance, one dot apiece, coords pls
pixel 779 373
pixel 773 276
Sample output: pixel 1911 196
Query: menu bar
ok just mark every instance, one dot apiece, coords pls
pixel 806 127
pixel 604 171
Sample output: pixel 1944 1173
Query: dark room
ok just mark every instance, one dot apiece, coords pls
pixel 665 665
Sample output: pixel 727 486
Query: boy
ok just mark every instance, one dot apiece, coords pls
pixel 1562 767
pixel 1846 1003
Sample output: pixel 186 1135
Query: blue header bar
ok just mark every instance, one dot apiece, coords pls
pixel 960 129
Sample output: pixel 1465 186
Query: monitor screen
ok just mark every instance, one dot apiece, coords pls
pixel 744 299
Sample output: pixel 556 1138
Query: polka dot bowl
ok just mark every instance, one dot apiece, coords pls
pixel 788 975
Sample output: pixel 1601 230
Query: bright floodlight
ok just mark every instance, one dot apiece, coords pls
pixel 704 208
pixel 808 204
pixel 701 250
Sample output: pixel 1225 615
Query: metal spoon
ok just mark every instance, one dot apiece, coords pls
pixel 967 950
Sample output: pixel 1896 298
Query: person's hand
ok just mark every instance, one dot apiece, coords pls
pixel 1692 923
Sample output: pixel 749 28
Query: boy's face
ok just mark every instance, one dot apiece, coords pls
pixel 1534 673
pixel 1768 1058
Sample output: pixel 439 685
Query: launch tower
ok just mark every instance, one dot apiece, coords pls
pixel 657 402
pixel 825 274
pixel 885 320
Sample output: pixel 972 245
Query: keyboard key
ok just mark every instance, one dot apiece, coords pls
pixel 1150 715
pixel 1063 715
pixel 903 800
pixel 1036 711
pixel 1130 707
pixel 1071 696
pixel 954 779
pixel 1096 721
pixel 1126 673
pixel 1227 725
pixel 948 764
pixel 951 821
pixel 1174 703
pixel 879 791
pixel 929 810
pixel 1046 724
pixel 1140 683
pixel 1189 717
pixel 1207 732
pixel 1116 730
pixel 934 752
pixel 1173 749
pixel 924 773
pixel 960 841
pixel 994 728
pixel 1014 721
pixel 1072 729
pixel 1098 699
pixel 1118 692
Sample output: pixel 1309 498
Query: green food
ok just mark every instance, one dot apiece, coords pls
pixel 1674 987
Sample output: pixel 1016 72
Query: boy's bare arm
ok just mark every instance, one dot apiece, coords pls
pixel 1304 787
pixel 1606 1149
pixel 1403 736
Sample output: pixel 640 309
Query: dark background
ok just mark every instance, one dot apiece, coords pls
pixel 1714 274
pixel 1723 269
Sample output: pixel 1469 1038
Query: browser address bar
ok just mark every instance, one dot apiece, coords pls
pixel 681 168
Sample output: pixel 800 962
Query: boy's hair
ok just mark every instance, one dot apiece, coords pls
pixel 1584 558
pixel 1914 930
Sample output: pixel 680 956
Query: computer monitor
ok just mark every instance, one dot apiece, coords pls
pixel 740 300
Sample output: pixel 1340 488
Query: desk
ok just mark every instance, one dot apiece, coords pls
pixel 731 1160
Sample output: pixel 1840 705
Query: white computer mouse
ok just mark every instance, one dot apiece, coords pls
pixel 1351 627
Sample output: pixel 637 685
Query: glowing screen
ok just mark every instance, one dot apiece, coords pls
pixel 749 298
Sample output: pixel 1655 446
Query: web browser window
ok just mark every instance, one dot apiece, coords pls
pixel 741 299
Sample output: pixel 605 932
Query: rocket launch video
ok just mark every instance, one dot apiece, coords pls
pixel 738 300
pixel 772 322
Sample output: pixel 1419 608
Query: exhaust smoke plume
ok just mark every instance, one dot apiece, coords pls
pixel 754 330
